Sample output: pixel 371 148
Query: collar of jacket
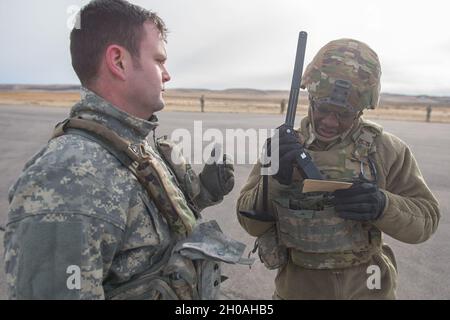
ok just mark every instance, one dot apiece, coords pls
pixel 93 107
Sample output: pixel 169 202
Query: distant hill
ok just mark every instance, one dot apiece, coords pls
pixel 38 87
pixel 407 99
pixel 386 98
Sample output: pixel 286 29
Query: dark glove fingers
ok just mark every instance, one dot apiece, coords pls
pixel 227 174
pixel 213 152
pixel 282 142
pixel 362 188
pixel 355 207
pixel 355 190
pixel 229 185
pixel 229 166
pixel 283 134
pixel 228 162
pixel 268 145
pixel 289 158
pixel 227 159
pixel 355 216
pixel 286 146
pixel 344 193
pixel 228 170
pixel 284 150
pixel 360 198
pixel 284 175
pixel 288 139
pixel 286 167
pixel 288 150
pixel 220 175
pixel 282 131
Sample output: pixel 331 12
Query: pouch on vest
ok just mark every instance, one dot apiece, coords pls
pixel 195 264
pixel 318 231
pixel 270 251
pixel 191 270
pixel 307 223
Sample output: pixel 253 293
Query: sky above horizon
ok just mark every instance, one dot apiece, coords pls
pixel 218 44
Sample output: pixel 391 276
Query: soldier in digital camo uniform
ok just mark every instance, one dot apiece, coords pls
pixel 98 213
pixel 328 245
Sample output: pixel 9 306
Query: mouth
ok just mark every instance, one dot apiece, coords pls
pixel 327 133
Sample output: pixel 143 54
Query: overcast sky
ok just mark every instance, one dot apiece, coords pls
pixel 219 44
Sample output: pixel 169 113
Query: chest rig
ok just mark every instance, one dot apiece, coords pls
pixel 307 224
pixel 146 165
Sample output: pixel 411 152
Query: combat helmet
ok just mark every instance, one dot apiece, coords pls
pixel 345 73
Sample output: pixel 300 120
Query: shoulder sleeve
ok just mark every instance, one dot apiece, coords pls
pixel 67 216
pixel 412 213
pixel 251 198
pixel 59 256
pixel 73 176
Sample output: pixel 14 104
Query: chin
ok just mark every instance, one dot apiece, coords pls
pixel 326 139
pixel 158 106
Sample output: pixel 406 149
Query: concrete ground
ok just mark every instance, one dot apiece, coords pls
pixel 423 269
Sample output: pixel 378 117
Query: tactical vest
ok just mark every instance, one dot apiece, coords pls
pixel 190 267
pixel 307 225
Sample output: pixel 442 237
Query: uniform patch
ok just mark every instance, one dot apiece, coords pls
pixel 49 260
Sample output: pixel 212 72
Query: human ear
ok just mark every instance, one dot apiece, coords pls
pixel 115 61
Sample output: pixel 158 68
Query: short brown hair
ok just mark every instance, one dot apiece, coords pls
pixel 105 22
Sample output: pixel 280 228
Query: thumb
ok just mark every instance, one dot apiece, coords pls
pixel 216 154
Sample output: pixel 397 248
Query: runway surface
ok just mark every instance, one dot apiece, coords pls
pixel 423 268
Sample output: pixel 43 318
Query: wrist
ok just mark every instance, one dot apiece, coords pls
pixel 383 204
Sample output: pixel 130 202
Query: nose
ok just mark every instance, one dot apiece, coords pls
pixel 331 120
pixel 165 75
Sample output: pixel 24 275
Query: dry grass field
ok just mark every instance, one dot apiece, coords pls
pixel 244 100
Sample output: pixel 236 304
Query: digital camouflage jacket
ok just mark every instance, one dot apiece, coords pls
pixel 76 210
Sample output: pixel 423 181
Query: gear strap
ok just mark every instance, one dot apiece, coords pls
pixel 364 140
pixel 364 146
pixel 148 169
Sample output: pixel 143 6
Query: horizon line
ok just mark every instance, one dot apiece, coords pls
pixel 205 89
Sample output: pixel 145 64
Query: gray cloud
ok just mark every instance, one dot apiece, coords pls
pixel 222 44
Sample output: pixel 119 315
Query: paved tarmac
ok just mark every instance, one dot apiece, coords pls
pixel 423 268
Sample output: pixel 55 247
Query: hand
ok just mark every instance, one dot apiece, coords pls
pixel 218 178
pixel 289 148
pixel 362 202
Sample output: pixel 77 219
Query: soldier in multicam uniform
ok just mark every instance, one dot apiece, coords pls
pixel 86 221
pixel 327 245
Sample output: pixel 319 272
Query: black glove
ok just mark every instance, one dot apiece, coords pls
pixel 289 148
pixel 218 178
pixel 362 202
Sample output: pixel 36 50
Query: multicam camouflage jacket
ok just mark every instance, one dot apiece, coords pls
pixel 80 224
pixel 411 215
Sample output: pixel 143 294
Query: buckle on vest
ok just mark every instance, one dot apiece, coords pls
pixel 60 128
pixel 373 171
pixel 139 152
